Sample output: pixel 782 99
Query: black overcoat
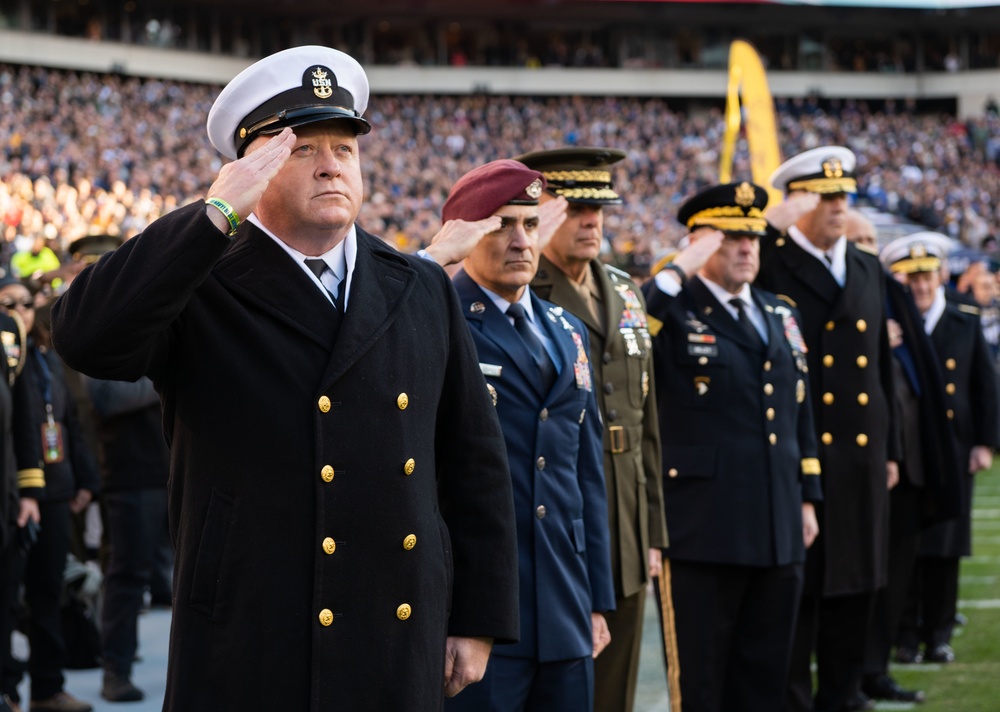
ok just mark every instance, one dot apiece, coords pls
pixel 339 506
pixel 971 399
pixel 739 450
pixel 850 379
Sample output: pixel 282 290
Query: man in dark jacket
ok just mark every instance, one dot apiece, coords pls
pixel 339 496
pixel 536 362
pixel 739 457
pixel 973 408
pixel 839 291
pixel 135 464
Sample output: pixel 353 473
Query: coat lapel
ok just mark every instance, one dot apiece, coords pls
pixel 564 345
pixel 264 274
pixel 859 273
pixel 717 315
pixel 812 273
pixel 495 326
pixel 379 287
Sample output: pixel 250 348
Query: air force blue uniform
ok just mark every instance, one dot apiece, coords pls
pixel 553 439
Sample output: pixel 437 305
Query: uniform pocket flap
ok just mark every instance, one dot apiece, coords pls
pixel 681 461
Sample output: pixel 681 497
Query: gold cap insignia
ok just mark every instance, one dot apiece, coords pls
pixel 918 250
pixel 745 195
pixel 832 168
pixel 535 189
pixel 322 86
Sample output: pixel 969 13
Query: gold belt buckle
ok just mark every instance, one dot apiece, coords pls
pixel 617 439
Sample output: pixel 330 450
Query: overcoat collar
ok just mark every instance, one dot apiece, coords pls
pixel 266 275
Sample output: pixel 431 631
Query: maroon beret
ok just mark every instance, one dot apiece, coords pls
pixel 484 190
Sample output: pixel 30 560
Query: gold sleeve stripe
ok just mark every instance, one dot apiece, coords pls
pixel 670 639
pixel 33 477
pixel 810 466
pixel 653 325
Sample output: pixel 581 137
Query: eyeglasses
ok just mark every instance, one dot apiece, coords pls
pixel 12 304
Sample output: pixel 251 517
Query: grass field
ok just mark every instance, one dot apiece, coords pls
pixel 970 684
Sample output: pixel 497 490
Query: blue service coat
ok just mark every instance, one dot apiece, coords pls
pixel 556 466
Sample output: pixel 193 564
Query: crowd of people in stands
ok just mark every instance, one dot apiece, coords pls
pixel 84 153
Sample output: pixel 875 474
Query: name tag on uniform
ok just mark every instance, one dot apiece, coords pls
pixel 490 369
pixel 703 350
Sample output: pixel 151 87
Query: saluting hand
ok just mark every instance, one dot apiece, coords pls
pixel 786 213
pixel 457 238
pixel 703 245
pixel 242 182
pixel 551 216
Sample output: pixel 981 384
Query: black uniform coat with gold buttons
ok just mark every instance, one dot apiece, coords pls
pixel 621 357
pixel 330 531
pixel 554 450
pixel 736 428
pixel 850 378
pixel 973 407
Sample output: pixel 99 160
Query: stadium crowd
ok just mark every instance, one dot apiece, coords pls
pixel 82 153
pixel 85 155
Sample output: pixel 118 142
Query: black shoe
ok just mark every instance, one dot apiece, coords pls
pixel 861 701
pixel 940 653
pixel 118 687
pixel 908 656
pixel 883 687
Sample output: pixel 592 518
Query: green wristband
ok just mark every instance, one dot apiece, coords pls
pixel 227 210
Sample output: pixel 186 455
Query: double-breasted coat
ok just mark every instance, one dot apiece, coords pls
pixel 553 442
pixel 340 504
pixel 739 449
pixel 851 387
pixel 972 406
pixel 621 357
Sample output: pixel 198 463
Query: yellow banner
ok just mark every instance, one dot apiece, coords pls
pixel 748 79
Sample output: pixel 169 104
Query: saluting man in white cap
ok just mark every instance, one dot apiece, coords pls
pixel 339 493
pixel 840 292
pixel 973 406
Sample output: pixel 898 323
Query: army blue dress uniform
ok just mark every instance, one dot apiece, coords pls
pixel 851 387
pixel 739 460
pixel 339 497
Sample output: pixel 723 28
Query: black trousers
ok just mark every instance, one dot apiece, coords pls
pixel 135 522
pixel 734 634
pixel 9 565
pixel 836 627
pixel 42 573
pixel 929 617
pixel 904 543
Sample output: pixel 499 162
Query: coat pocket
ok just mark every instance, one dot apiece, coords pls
pixel 211 552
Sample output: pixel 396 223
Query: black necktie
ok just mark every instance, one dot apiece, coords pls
pixel 318 267
pixel 744 321
pixel 546 368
